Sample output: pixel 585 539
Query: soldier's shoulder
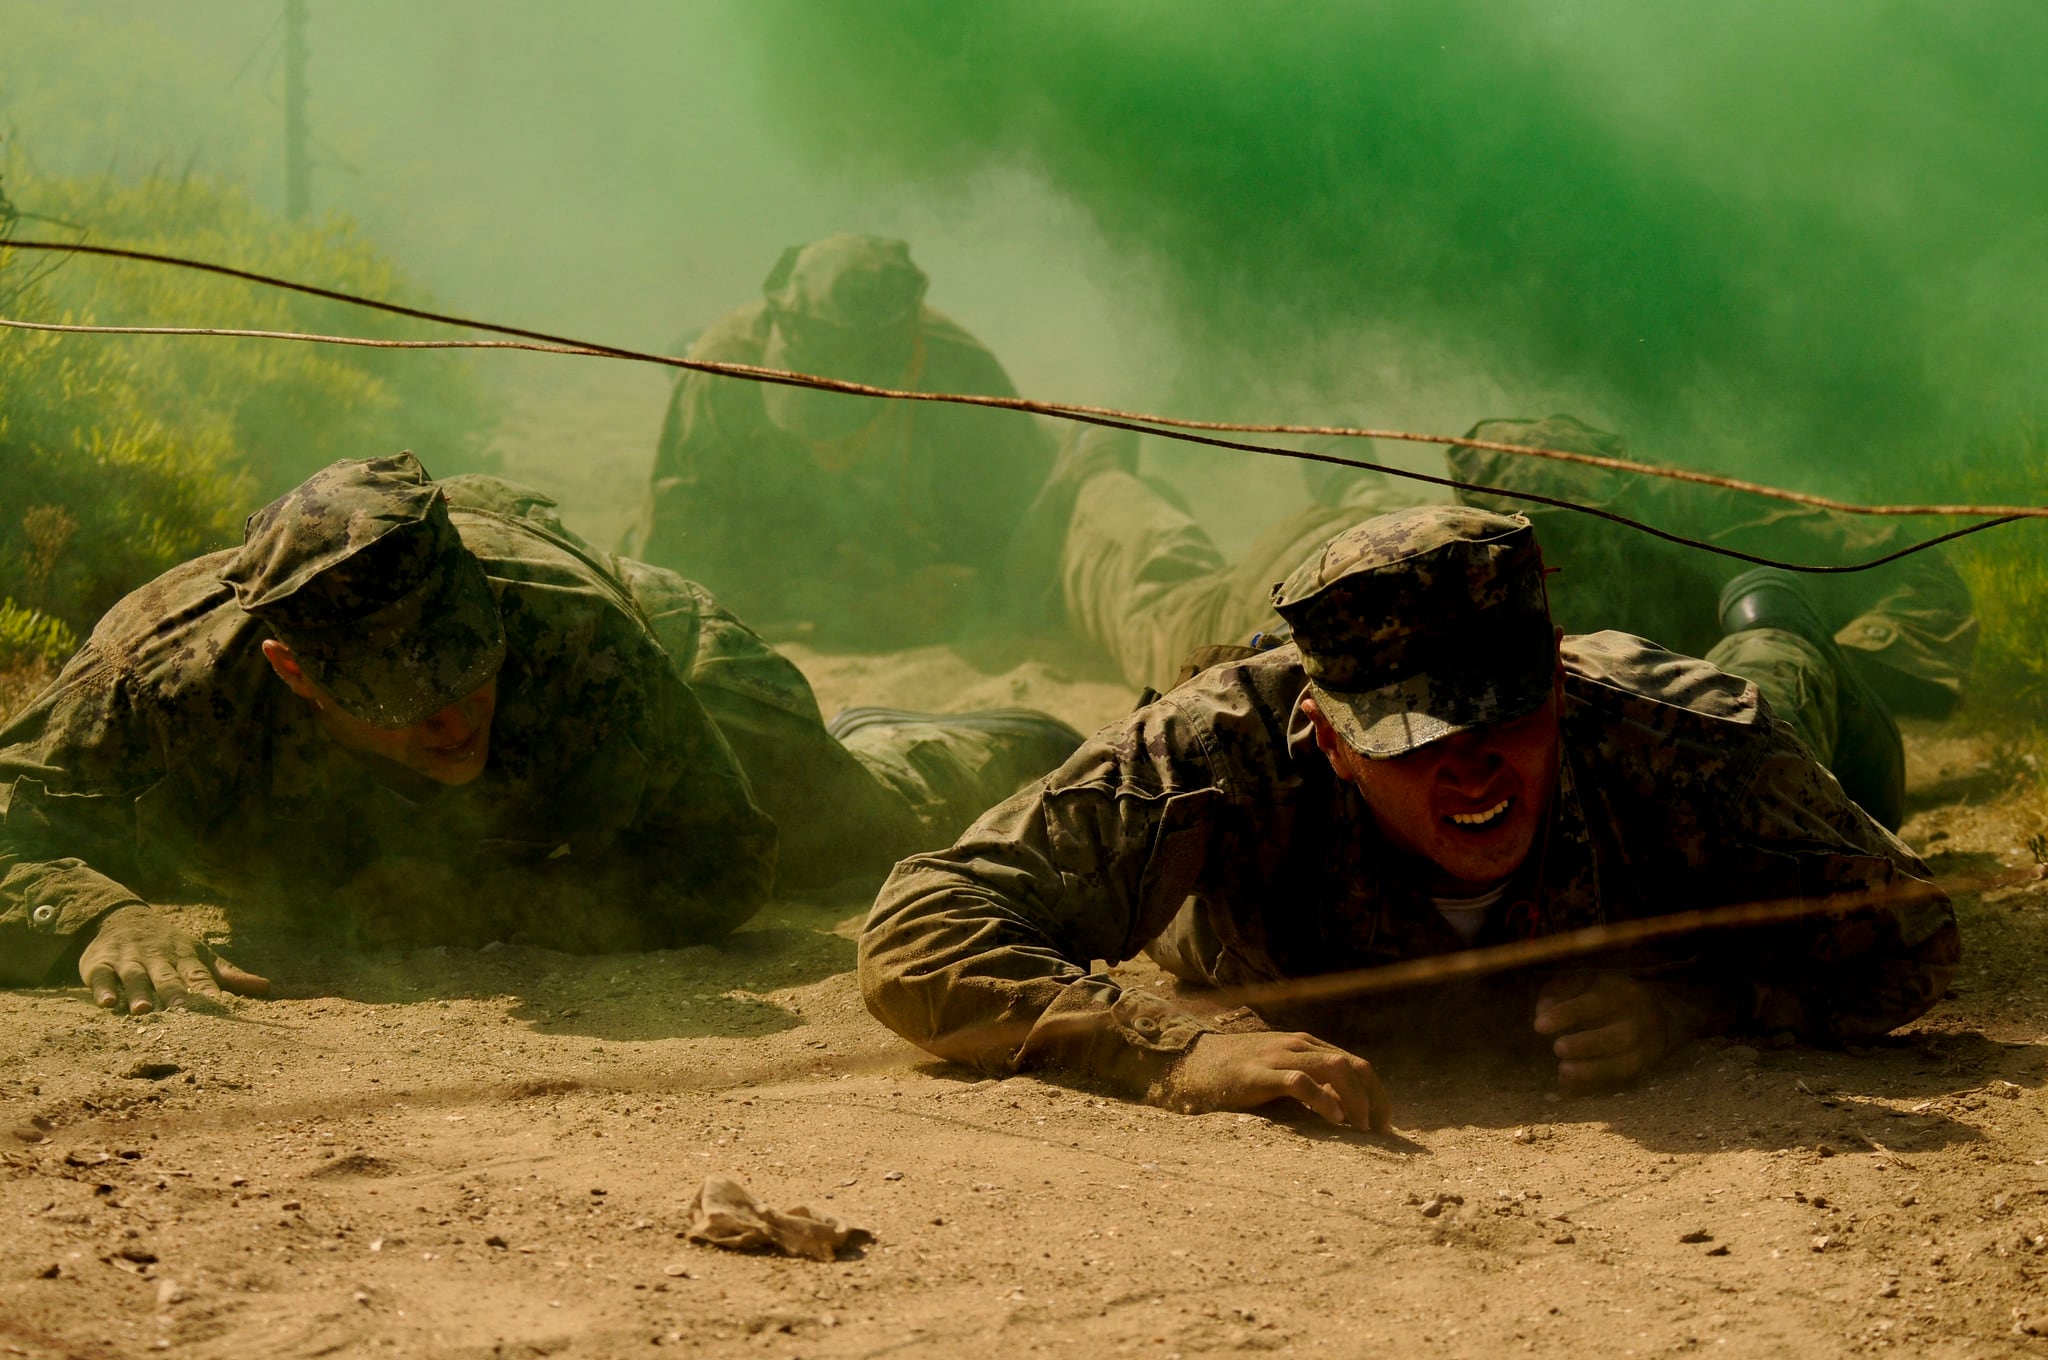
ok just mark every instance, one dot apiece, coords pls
pixel 738 337
pixel 177 627
pixel 956 360
pixel 1619 671
pixel 1242 719
pixel 1660 725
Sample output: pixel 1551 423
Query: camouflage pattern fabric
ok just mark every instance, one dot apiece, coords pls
pixel 1209 826
pixel 167 760
pixel 837 818
pixel 1422 623
pixel 1908 626
pixel 1141 579
pixel 359 571
pixel 873 522
pixel 1144 580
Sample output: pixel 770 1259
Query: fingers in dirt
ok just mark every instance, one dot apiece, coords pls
pixel 1358 1089
pixel 1299 1085
pixel 1609 1041
pixel 1604 1074
pixel 135 983
pixel 106 986
pixel 240 981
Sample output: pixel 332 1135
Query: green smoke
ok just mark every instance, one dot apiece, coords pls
pixel 1805 235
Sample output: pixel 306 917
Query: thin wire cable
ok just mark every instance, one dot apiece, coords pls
pixel 743 370
pixel 1170 427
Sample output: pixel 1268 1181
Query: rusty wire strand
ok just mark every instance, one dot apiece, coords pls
pixel 1169 427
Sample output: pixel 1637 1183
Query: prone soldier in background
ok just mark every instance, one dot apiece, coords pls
pixel 1421 769
pixel 874 523
pixel 421 718
pixel 1837 655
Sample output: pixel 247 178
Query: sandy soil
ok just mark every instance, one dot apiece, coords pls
pixel 490 1153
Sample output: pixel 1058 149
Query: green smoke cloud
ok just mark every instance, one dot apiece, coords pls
pixel 1801 234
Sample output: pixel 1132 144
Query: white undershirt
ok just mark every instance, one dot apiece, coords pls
pixel 1467 915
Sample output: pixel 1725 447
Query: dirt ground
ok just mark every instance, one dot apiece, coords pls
pixel 490 1152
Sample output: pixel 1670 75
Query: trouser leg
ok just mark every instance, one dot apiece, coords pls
pixel 1796 680
pixel 1139 577
pixel 1144 581
pixel 948 769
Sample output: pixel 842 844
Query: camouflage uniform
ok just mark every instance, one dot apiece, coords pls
pixel 1140 578
pixel 1907 627
pixel 877 522
pixel 612 814
pixel 1144 581
pixel 1208 827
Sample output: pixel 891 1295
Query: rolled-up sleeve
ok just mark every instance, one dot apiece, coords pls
pixel 71 767
pixel 984 953
pixel 1881 946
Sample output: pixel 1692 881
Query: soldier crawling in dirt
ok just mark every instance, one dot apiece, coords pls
pixel 1428 765
pixel 877 523
pixel 423 712
pixel 1836 655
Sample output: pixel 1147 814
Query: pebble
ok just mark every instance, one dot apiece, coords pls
pixel 1888 1290
pixel 1823 1242
pixel 169 1291
pixel 1564 1239
pixel 1438 1202
pixel 1720 1250
pixel 1696 1235
pixel 892 1175
pixel 1743 1053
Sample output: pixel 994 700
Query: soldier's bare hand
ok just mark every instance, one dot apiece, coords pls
pixel 143 961
pixel 1245 1071
pixel 1610 1029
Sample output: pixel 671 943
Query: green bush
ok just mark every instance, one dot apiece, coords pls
pixel 120 456
pixel 2007 570
pixel 29 635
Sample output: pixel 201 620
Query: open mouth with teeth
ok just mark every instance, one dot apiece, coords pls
pixel 1480 820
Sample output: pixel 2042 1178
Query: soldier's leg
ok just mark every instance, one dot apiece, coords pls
pixel 1145 582
pixel 1908 628
pixel 949 768
pixel 1796 681
pixel 836 819
pixel 1776 638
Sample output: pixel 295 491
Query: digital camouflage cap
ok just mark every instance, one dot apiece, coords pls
pixel 1423 623
pixel 360 572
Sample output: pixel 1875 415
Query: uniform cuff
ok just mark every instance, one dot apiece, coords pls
pixel 47 907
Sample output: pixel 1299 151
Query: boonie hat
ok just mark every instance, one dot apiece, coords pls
pixel 1423 623
pixel 360 572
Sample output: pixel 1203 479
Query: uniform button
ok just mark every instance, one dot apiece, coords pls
pixel 44 914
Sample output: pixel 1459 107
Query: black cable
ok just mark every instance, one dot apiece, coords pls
pixel 1086 416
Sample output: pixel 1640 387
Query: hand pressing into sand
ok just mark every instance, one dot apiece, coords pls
pixel 140 957
pixel 1245 1071
pixel 1610 1029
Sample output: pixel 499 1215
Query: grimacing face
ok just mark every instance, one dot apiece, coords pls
pixel 448 747
pixel 1471 805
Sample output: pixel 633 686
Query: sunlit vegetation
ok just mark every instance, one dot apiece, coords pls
pixel 120 456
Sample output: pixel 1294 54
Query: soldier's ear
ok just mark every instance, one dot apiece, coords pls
pixel 1334 748
pixel 286 667
pixel 778 277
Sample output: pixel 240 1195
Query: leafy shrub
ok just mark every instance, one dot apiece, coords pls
pixel 120 456
pixel 2007 570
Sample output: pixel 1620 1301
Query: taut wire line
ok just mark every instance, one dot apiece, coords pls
pixel 1170 427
